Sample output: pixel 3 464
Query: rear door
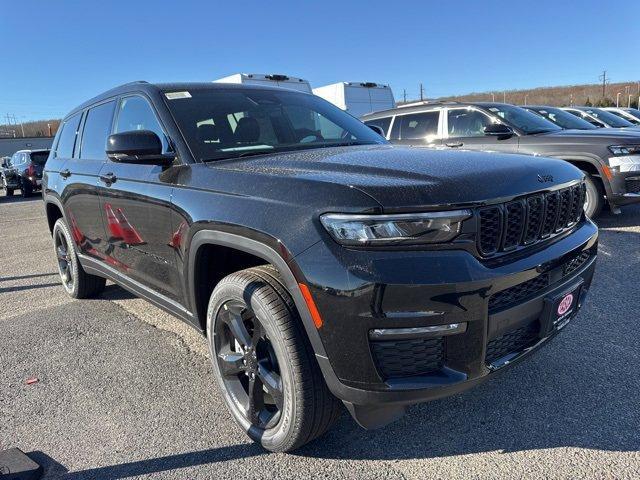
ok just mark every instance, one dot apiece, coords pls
pixel 81 187
pixel 464 129
pixel 136 208
pixel 420 129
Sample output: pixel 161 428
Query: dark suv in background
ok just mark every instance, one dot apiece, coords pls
pixel 608 157
pixel 321 263
pixel 23 171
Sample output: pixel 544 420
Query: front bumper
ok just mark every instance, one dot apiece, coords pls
pixel 357 292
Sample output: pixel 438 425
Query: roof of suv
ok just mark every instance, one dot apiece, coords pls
pixel 144 86
pixel 426 106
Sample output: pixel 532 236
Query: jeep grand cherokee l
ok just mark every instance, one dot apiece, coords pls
pixel 321 263
pixel 609 158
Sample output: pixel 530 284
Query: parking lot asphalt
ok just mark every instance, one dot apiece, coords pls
pixel 125 390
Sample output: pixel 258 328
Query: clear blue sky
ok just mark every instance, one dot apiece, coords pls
pixel 57 54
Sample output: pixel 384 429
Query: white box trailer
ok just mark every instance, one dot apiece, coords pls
pixel 272 80
pixel 358 98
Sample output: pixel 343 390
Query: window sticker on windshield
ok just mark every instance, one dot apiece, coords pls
pixel 176 95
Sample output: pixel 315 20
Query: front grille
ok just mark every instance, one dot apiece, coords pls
pixel 504 227
pixel 511 342
pixel 575 263
pixel 633 185
pixel 406 358
pixel 518 293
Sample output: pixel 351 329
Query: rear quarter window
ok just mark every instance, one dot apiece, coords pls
pixel 68 133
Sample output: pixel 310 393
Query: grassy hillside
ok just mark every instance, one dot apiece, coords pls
pixel 37 128
pixel 562 96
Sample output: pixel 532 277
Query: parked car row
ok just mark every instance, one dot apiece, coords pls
pixel 324 265
pixel 609 157
pixel 23 171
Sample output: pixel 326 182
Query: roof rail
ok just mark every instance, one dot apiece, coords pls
pixel 426 102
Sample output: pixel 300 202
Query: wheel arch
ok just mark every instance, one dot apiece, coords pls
pixel 54 211
pixel 207 238
pixel 590 165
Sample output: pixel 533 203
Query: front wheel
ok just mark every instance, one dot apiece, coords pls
pixel 26 190
pixel 264 363
pixel 594 198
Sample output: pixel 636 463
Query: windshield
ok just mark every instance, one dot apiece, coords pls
pixel 525 121
pixel 220 123
pixel 633 111
pixel 608 118
pixel 39 158
pixel 564 119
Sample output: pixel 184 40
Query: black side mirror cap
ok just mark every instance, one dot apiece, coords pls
pixel 498 130
pixel 378 130
pixel 141 147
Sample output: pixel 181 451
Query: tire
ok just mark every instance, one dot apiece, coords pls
pixel 26 190
pixel 76 282
pixel 594 200
pixel 302 408
pixel 9 192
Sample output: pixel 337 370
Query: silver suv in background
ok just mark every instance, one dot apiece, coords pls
pixel 609 158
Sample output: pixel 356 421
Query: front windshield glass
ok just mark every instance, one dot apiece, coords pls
pixel 525 121
pixel 220 123
pixel 608 118
pixel 564 119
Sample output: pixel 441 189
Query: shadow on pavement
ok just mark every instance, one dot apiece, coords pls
pixel 54 470
pixel 18 199
pixel 34 286
pixel 23 277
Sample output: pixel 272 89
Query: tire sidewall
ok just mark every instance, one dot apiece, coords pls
pixel 61 226
pixel 276 436
pixel 595 198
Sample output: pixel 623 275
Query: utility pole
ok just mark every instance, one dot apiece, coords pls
pixel 404 95
pixel 604 79
pixel 421 92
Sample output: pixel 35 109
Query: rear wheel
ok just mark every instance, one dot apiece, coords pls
pixel 594 198
pixel 264 363
pixel 9 192
pixel 26 190
pixel 76 282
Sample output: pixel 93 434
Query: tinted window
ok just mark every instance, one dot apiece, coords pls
pixel 383 123
pixel 524 120
pixel 609 118
pixel 218 123
pixel 419 125
pixel 67 138
pixel 137 114
pixel 96 130
pixel 39 158
pixel 564 119
pixel 467 123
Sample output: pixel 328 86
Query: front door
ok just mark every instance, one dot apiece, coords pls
pixel 136 208
pixel 465 130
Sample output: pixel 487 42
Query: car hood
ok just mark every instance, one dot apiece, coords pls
pixel 399 177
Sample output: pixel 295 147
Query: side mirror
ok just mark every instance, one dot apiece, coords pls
pixel 377 129
pixel 498 130
pixel 142 147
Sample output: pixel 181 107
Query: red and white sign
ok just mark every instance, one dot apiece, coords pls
pixel 565 304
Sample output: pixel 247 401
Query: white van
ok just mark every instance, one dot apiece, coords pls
pixel 358 98
pixel 273 80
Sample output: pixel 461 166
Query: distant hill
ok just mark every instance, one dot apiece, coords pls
pixel 37 128
pixel 561 96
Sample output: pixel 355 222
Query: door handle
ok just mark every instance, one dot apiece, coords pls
pixel 108 178
pixel 65 173
pixel 454 145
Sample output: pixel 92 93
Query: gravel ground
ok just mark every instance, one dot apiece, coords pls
pixel 125 390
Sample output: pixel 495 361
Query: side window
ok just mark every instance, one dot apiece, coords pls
pixel 96 130
pixel 467 123
pixel 68 133
pixel 383 123
pixel 136 114
pixel 419 125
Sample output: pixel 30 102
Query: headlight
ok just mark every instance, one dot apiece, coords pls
pixel 405 229
pixel 625 149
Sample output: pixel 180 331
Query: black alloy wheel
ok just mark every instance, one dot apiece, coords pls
pixel 65 261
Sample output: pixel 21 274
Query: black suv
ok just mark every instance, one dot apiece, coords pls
pixel 320 262
pixel 609 158
pixel 23 171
